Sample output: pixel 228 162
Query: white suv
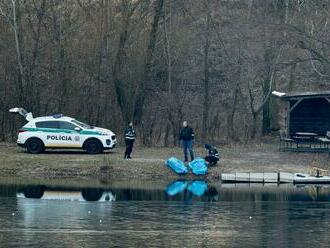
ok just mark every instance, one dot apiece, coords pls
pixel 62 132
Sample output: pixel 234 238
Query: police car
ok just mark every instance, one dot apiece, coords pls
pixel 62 132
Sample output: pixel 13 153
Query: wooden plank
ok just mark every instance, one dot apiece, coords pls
pixel 256 177
pixel 251 177
pixel 242 176
pixel 285 177
pixel 231 177
pixel 270 177
pixel 303 97
pixel 295 105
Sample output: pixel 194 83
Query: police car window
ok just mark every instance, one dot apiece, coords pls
pixel 47 124
pixel 67 125
pixel 81 124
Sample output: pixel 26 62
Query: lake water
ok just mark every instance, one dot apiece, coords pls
pixel 182 214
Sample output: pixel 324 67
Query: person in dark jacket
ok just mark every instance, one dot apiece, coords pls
pixel 129 140
pixel 213 155
pixel 187 137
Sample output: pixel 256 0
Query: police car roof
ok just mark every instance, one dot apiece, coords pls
pixel 52 118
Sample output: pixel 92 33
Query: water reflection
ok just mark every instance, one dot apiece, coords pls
pixel 181 190
pixel 198 188
pixel 42 192
pixel 195 187
pixel 176 187
pixel 61 216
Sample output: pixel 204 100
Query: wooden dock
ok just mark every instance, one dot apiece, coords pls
pixel 274 177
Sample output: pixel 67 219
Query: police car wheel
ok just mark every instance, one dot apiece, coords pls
pixel 34 146
pixel 92 194
pixel 93 147
pixel 35 192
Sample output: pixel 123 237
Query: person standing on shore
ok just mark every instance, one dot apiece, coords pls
pixel 187 137
pixel 129 140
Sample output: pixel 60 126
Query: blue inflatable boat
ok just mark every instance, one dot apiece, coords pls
pixel 198 188
pixel 176 187
pixel 177 166
pixel 198 166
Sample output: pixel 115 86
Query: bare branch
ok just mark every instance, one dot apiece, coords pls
pixel 271 81
pixel 314 67
pixel 7 17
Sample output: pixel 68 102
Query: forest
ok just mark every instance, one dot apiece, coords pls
pixel 213 63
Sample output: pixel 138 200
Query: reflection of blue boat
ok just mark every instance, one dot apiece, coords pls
pixel 198 166
pixel 177 165
pixel 198 188
pixel 176 187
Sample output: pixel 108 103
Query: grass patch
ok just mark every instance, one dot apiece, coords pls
pixel 148 163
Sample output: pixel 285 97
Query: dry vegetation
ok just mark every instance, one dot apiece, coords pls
pixel 148 163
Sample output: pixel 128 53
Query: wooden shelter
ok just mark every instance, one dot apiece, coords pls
pixel 304 112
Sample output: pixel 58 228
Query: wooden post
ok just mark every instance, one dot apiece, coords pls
pixel 287 123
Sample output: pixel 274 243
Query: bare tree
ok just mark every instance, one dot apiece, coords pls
pixel 206 103
pixel 141 88
pixel 11 18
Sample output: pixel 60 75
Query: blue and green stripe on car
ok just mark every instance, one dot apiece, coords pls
pixel 55 130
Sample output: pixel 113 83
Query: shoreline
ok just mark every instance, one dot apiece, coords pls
pixel 149 163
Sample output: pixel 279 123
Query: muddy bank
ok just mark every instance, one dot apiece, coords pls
pixel 148 163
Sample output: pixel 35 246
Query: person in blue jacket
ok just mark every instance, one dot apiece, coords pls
pixel 187 137
pixel 129 140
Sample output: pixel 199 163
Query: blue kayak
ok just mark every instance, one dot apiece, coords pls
pixel 198 166
pixel 177 165
pixel 198 188
pixel 176 187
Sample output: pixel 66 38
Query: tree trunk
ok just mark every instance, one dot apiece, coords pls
pixel 254 126
pixel 119 61
pixel 266 111
pixel 206 104
pixel 21 80
pixel 231 116
pixel 166 135
pixel 141 89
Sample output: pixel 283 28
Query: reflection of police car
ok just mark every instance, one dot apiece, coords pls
pixel 88 194
pixel 59 131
